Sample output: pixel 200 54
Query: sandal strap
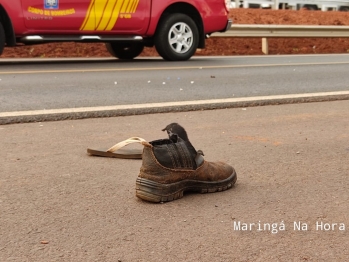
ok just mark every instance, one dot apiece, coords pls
pixel 126 142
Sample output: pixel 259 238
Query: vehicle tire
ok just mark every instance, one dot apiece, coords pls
pixel 2 39
pixel 125 50
pixel 177 37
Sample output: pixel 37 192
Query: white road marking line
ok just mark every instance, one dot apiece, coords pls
pixel 169 104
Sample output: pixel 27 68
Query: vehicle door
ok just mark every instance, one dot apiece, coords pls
pixel 57 15
pixel 120 16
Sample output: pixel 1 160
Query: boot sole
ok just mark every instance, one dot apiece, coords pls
pixel 155 192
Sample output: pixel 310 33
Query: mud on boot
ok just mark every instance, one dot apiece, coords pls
pixel 171 167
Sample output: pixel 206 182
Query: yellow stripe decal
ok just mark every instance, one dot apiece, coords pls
pixel 135 6
pixel 115 15
pixel 110 15
pixel 103 14
pixel 112 8
pixel 129 6
pixel 123 8
pixel 88 17
pixel 100 7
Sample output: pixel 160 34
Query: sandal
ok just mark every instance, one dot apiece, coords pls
pixel 116 152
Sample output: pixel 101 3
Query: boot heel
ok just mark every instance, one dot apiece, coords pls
pixel 155 192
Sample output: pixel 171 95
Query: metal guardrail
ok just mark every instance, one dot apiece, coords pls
pixel 241 30
pixel 267 31
pixel 323 5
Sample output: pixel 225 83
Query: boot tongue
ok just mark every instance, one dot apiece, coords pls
pixel 176 153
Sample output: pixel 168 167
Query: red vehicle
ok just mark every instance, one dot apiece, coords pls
pixel 175 27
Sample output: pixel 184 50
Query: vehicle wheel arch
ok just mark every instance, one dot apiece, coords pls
pixel 191 11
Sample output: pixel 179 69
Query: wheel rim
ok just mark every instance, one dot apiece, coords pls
pixel 180 38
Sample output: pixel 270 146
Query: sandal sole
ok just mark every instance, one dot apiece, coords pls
pixel 122 153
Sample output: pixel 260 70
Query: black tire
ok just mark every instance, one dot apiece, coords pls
pixel 125 50
pixel 167 29
pixel 2 39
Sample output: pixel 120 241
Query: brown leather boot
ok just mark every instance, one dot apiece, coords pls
pixel 171 167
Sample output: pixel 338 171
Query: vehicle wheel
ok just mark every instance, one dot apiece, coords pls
pixel 2 39
pixel 177 37
pixel 125 50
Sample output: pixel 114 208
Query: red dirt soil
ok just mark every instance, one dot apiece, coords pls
pixel 224 46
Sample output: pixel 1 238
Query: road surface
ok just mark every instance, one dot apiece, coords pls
pixel 104 87
pixel 59 204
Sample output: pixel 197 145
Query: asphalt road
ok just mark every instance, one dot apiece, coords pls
pixel 59 204
pixel 43 84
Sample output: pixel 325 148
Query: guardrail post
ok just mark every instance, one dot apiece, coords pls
pixel 265 48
